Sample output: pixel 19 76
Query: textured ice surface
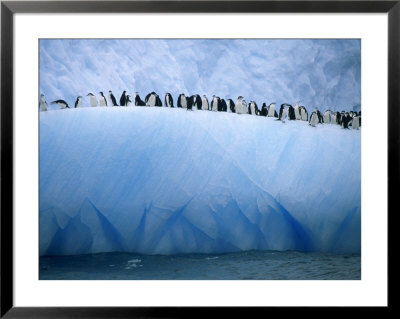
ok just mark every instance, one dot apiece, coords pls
pixel 162 181
pixel 319 73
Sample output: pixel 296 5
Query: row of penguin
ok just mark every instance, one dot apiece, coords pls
pixel 286 111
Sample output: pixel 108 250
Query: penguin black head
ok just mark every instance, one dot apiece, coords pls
pixel 90 94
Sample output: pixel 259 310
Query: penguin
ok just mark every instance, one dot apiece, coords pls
pixel 197 103
pixel 271 110
pixel 112 98
pixel 342 116
pixel 61 103
pixel 219 104
pixel 78 102
pixel 158 101
pixel 359 116
pixel 252 108
pixel 303 113
pixel 214 103
pixel 169 101
pixel 355 122
pixel 346 119
pixel 351 113
pixel 231 105
pixel 220 107
pixel 264 109
pixel 239 106
pixel 283 112
pixel 189 103
pixel 280 111
pixel 93 100
pixel 297 111
pixel 128 100
pixel 327 116
pixel 42 103
pixel 320 118
pixel 204 103
pixel 291 113
pixel 314 119
pixel 138 100
pixel 150 99
pixel 102 99
pixel 224 107
pixel 182 102
pixel 338 118
pixel 122 100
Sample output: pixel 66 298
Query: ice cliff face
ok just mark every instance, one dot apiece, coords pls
pixel 165 181
pixel 318 73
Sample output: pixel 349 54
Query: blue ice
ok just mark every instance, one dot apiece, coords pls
pixel 166 181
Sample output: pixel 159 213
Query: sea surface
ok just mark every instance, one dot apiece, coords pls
pixel 247 265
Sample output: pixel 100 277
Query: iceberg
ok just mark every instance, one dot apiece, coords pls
pixel 156 180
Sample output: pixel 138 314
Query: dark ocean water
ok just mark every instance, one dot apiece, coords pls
pixel 248 265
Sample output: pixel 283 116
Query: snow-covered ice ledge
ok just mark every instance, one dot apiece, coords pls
pixel 166 181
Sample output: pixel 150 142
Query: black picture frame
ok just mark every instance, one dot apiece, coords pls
pixel 9 8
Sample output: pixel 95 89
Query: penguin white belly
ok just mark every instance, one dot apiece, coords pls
pixel 253 109
pixel 271 111
pixel 205 104
pixel 43 105
pixel 297 113
pixel 168 101
pixel 356 123
pixel 215 105
pixel 183 102
pixel 314 119
pixel 93 101
pixel 79 103
pixel 102 101
pixel 333 118
pixel 303 115
pixel 244 108
pixel 283 116
pixel 327 118
pixel 151 101
pixel 238 107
